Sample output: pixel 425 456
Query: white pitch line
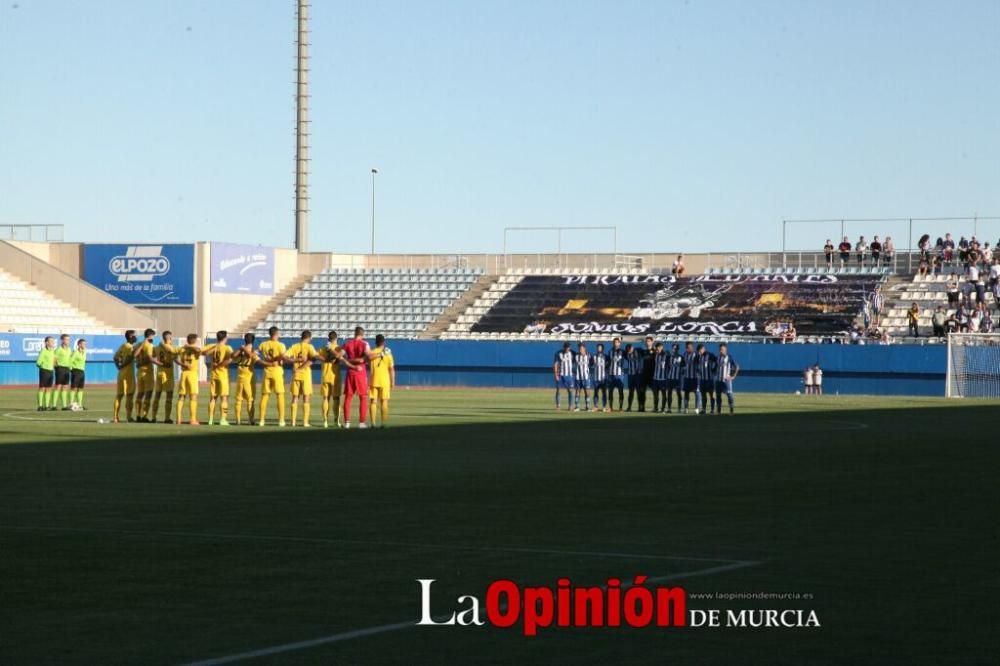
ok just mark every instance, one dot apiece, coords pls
pixel 397 626
pixel 365 542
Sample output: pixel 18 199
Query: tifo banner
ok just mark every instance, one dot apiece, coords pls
pixel 765 305
pixel 242 269
pixel 142 275
pixel 25 346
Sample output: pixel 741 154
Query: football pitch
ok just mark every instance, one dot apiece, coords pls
pixel 159 544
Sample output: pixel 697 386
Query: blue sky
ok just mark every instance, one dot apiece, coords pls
pixel 691 126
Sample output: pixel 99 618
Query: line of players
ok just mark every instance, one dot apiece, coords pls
pixel 146 373
pixel 696 371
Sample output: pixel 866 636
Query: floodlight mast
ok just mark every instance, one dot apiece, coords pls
pixel 302 129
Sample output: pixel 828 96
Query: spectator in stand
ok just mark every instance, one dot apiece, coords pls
pixel 889 250
pixel 995 281
pixel 962 317
pixel 924 245
pixel 986 256
pixel 963 249
pixel 986 323
pixel 913 320
pixel 980 290
pixel 948 249
pixel 678 267
pixel 936 264
pixel 971 278
pixel 953 292
pixel 938 320
pixel 951 324
pixel 861 249
pixel 973 254
pixel 828 251
pixel 974 320
pixel 845 251
pixel 876 250
pixel 922 267
pixel 878 303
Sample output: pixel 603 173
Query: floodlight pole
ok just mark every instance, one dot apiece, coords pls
pixel 374 172
pixel 302 129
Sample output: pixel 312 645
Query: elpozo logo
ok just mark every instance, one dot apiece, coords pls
pixel 140 263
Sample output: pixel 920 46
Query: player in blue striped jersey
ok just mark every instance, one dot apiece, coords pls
pixel 690 377
pixel 726 370
pixel 706 378
pixel 584 382
pixel 599 371
pixel 633 366
pixel 675 367
pixel 661 362
pixel 616 374
pixel 562 369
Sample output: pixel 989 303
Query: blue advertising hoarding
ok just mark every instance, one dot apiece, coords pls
pixel 25 346
pixel 142 275
pixel 242 269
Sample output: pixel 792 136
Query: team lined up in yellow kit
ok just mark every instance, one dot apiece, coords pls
pixel 146 374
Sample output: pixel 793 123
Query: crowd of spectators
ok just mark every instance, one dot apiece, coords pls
pixel 935 258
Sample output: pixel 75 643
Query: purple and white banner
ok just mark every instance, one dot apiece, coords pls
pixel 242 269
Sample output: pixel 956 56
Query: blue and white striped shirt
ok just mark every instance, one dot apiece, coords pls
pixel 726 365
pixel 706 366
pixel 617 362
pixel 633 363
pixel 675 365
pixel 690 365
pixel 661 362
pixel 600 362
pixel 565 361
pixel 583 366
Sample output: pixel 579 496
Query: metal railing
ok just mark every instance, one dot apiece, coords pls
pixel 41 233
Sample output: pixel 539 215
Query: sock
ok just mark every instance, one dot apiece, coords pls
pixel 64 397
pixel 336 408
pixel 50 399
pixel 385 412
pixel 129 405
pixel 211 409
pixel 156 406
pixel 325 406
pixel 281 407
pixel 306 407
pixel 118 403
pixel 167 409
pixel 364 409
pixel 295 410
pixel 180 409
pixel 224 409
pixel 263 405
pixel 347 407
pixel 729 396
pixel 239 410
pixel 193 408
pixel 557 398
pixel 41 399
pixel 250 407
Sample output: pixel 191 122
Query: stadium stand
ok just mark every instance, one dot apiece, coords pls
pixel 399 303
pixel 729 303
pixel 25 308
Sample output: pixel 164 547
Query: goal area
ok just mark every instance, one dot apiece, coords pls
pixel 973 365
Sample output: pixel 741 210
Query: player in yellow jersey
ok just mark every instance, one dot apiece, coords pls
pixel 331 379
pixel 144 383
pixel 302 354
pixel 383 378
pixel 245 359
pixel 187 358
pixel 221 356
pixel 272 357
pixel 164 353
pixel 125 362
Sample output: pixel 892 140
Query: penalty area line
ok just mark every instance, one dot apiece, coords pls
pixel 398 626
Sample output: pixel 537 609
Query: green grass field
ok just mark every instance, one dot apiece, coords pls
pixel 157 544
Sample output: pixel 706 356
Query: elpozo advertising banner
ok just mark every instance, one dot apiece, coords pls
pixel 762 305
pixel 242 269
pixel 25 346
pixel 142 275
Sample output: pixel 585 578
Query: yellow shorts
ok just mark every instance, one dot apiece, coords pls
pixel 189 383
pixel 379 393
pixel 302 387
pixel 145 382
pixel 273 385
pixel 126 384
pixel 165 381
pixel 332 389
pixel 218 387
pixel 245 389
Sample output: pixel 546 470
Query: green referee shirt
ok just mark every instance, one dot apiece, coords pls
pixel 78 360
pixel 46 359
pixel 62 355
